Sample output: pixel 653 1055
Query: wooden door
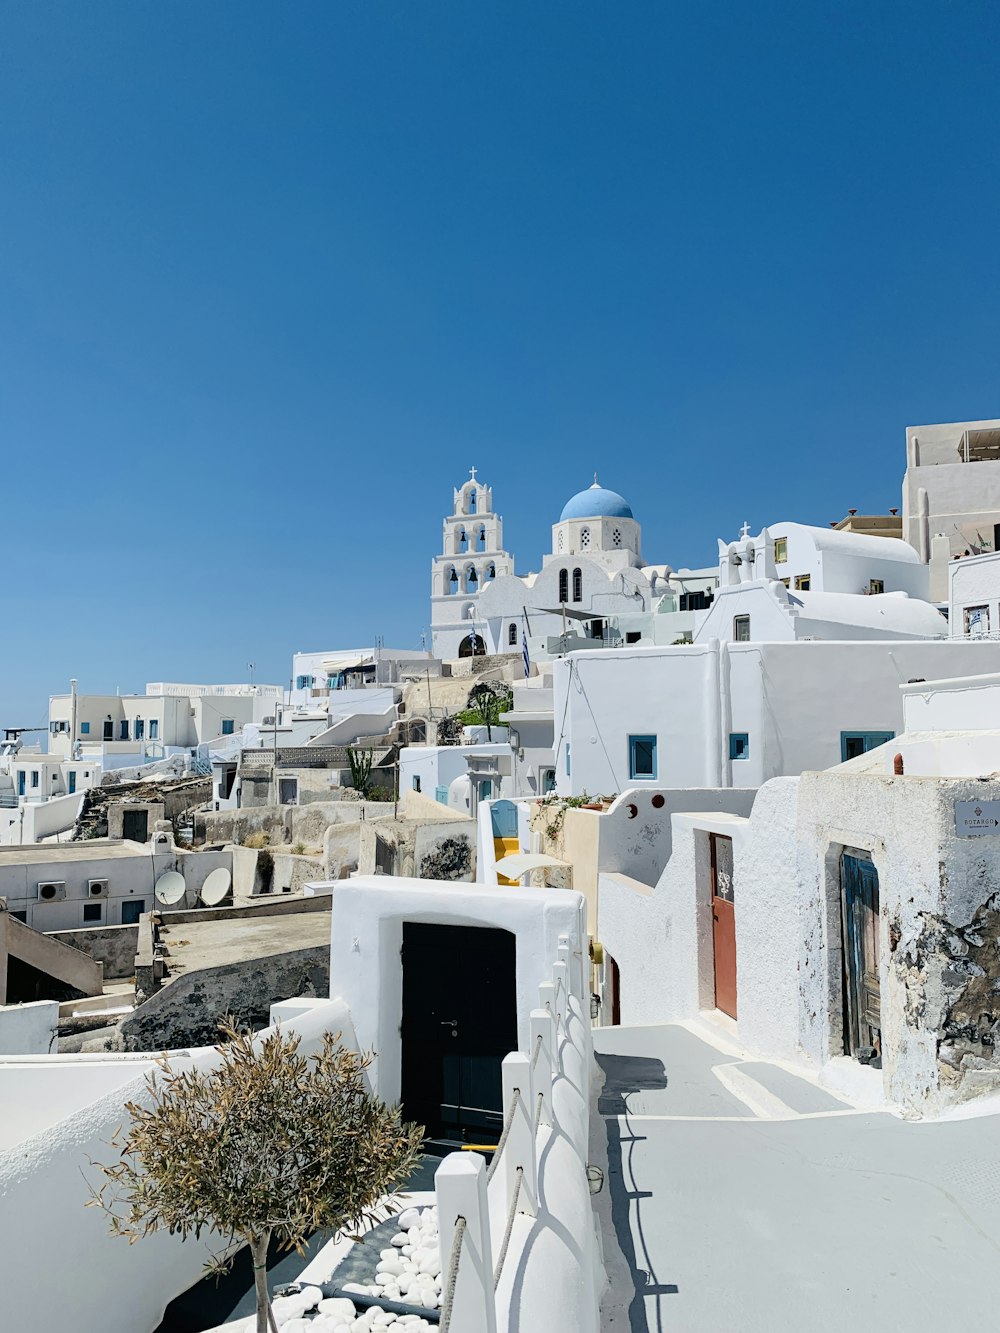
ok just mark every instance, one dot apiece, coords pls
pixel 459 1021
pixel 135 825
pixel 723 923
pixel 862 992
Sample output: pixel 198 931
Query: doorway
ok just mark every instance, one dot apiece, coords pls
pixel 459 1021
pixel 135 825
pixel 472 645
pixel 723 923
pixel 859 899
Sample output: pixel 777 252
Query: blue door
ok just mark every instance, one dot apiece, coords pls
pixel 20 782
pixel 72 781
pixel 504 819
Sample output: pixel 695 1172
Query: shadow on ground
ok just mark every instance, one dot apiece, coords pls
pixel 624 1074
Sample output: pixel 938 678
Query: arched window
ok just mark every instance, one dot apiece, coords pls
pixel 491 570
pixel 472 502
pixel 451 582
pixel 471 579
pixel 584 538
pixel 577 585
pixel 463 540
pixel 564 585
pixel 512 634
pixel 481 538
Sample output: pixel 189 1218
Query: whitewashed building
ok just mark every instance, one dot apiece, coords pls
pixel 951 494
pixel 974 596
pixel 594 587
pixel 777 680
pixel 851 920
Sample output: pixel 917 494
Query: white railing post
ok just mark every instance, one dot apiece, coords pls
pixel 560 977
pixel 565 955
pixel 547 997
pixel 519 1150
pixel 543 1030
pixel 460 1185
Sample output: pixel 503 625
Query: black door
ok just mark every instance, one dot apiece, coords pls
pixel 135 825
pixel 459 1021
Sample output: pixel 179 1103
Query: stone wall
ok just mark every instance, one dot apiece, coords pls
pixel 188 1011
pixel 114 946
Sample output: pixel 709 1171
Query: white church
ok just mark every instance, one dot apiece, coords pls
pixel 594 588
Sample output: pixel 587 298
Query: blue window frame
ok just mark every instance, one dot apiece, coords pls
pixel 140 728
pixel 567 758
pixel 642 757
pixel 739 745
pixel 84 728
pixel 228 724
pixel 154 728
pixel 34 777
pixel 416 782
pixel 853 743
pixel 123 729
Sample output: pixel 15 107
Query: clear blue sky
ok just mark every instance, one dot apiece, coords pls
pixel 273 276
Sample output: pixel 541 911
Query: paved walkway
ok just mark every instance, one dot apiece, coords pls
pixel 744 1199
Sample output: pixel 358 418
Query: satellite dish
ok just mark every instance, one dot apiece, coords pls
pixel 169 888
pixel 216 887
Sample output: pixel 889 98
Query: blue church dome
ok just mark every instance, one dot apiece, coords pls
pixel 596 502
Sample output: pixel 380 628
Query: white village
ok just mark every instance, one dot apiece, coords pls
pixel 662 901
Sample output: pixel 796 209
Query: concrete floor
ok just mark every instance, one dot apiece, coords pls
pixel 195 944
pixel 743 1199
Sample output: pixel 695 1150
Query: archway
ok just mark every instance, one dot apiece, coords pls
pixel 472 645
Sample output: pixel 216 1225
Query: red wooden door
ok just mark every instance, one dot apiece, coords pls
pixel 723 924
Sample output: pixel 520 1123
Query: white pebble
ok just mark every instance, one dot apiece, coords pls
pixel 338 1306
pixel 409 1217
pixel 400 1238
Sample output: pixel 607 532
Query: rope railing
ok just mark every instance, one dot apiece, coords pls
pixel 537 1051
pixel 504 1136
pixel 451 1276
pixel 538 1110
pixel 511 1214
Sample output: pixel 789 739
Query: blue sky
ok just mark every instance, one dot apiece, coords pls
pixel 272 277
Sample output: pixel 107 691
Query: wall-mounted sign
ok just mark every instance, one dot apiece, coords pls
pixel 973 819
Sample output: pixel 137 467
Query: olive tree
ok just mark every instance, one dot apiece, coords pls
pixel 267 1143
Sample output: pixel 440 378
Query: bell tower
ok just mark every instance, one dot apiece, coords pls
pixel 472 555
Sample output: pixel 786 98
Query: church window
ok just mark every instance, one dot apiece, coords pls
pixel 562 539
pixel 577 585
pixel 584 538
pixel 512 633
pixel 803 582
pixel 780 550
pixel 564 585
pixel 452 581
pixel 616 537
pixel 463 540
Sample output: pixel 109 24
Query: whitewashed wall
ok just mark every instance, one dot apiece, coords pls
pixel 60 1267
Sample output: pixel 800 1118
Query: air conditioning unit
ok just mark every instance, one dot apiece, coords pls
pixel 97 888
pixel 51 891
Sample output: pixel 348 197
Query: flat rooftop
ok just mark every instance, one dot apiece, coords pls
pixel 192 945
pixel 90 849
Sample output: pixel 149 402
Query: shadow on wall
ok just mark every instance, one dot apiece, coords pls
pixel 624 1074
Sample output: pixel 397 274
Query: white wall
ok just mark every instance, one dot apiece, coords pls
pixel 974 581
pixel 102 1284
pixel 966 703
pixel 25 1029
pixel 440 765
pixel 367 936
pixel 793 700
